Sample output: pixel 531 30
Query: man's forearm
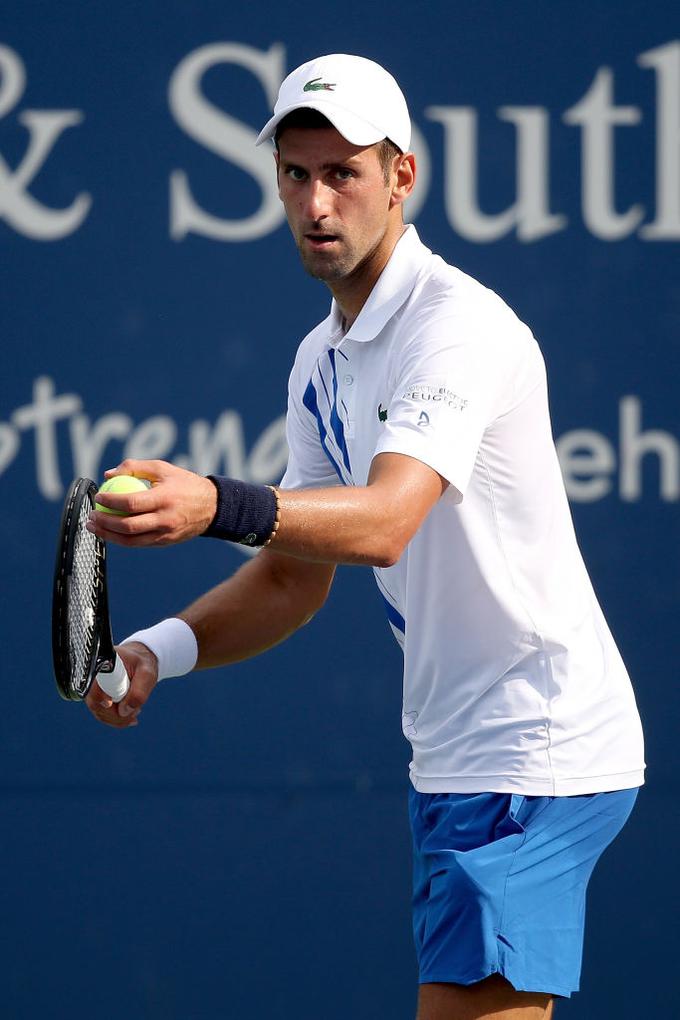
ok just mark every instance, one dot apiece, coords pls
pixel 263 603
pixel 268 599
pixel 337 525
pixel 369 524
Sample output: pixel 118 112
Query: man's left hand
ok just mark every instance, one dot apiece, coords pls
pixel 178 506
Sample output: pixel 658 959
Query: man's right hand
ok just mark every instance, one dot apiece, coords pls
pixel 142 669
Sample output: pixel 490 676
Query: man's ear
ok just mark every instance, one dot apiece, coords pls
pixel 404 179
pixel 277 160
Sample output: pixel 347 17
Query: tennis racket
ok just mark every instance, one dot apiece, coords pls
pixel 82 644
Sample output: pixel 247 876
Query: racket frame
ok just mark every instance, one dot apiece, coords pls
pixel 102 658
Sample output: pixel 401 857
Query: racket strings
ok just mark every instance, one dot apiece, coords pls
pixel 83 600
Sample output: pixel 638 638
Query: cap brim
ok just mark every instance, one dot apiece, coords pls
pixel 356 130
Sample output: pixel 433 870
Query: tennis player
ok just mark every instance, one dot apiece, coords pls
pixel 420 445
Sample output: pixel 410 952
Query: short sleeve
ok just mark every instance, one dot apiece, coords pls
pixel 449 386
pixel 308 466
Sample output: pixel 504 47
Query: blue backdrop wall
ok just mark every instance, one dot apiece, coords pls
pixel 244 852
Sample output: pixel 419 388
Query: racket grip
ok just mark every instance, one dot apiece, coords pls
pixel 116 683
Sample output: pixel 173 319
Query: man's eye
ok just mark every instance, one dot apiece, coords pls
pixel 344 174
pixel 295 173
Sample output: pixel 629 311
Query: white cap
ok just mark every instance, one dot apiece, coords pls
pixel 359 97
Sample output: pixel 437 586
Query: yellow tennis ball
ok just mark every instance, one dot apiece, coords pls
pixel 121 483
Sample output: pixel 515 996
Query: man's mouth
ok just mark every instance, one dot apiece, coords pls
pixel 319 241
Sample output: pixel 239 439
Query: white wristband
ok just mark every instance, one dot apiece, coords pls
pixel 174 644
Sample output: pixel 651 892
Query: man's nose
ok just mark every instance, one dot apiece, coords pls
pixel 317 204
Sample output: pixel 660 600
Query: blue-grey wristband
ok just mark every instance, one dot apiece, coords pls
pixel 246 513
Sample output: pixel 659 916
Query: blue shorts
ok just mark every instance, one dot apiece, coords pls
pixel 499 883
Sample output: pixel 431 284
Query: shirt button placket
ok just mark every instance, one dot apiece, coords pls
pixel 347 392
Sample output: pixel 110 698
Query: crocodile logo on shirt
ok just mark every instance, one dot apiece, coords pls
pixel 382 413
pixel 316 85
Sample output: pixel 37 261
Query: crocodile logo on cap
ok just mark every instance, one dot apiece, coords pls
pixel 316 85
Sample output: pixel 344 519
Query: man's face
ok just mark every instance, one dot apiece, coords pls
pixel 336 200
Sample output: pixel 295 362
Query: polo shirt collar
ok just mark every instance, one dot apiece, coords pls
pixel 391 290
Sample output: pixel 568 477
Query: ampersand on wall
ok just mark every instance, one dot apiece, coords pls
pixel 18 207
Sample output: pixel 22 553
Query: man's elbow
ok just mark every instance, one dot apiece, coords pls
pixel 388 551
pixel 305 584
pixel 317 600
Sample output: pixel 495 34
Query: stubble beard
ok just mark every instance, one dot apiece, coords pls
pixel 326 267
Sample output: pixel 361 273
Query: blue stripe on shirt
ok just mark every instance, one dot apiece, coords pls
pixel 393 615
pixel 310 401
pixel 336 423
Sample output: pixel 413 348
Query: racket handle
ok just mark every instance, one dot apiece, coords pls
pixel 116 683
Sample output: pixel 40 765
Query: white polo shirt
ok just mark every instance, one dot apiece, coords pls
pixel 512 680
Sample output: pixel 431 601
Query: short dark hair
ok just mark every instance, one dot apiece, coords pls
pixel 306 118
